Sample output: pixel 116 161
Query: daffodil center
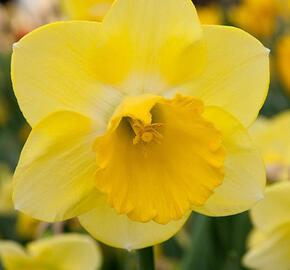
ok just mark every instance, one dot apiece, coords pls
pixel 146 133
pixel 159 157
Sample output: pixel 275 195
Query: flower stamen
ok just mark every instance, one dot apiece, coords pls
pixel 146 133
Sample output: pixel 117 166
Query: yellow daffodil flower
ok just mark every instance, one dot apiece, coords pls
pixel 257 16
pixel 65 252
pixel 283 60
pixel 86 10
pixel 138 120
pixel 269 243
pixel 210 14
pixel 272 138
pixel 27 227
pixel 6 203
pixel 3 110
pixel 24 132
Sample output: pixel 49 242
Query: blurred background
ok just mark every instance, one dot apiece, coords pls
pixel 204 243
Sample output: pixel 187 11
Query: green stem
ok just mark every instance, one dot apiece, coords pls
pixel 198 240
pixel 145 259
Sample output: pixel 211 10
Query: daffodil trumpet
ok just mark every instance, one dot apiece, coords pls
pixel 138 120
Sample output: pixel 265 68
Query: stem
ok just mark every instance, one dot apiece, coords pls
pixel 145 259
pixel 198 240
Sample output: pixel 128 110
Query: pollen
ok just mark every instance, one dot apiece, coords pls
pixel 146 133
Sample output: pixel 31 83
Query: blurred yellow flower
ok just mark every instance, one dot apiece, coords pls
pixel 86 10
pixel 4 112
pixel 269 243
pixel 66 252
pixel 27 227
pixel 283 60
pixel 272 138
pixel 137 125
pixel 24 132
pixel 257 16
pixel 6 203
pixel 210 14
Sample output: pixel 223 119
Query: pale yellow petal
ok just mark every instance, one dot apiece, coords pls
pixel 255 237
pixel 86 10
pixel 244 181
pixel 236 76
pixel 67 252
pixel 11 254
pixel 272 137
pixel 6 204
pixel 274 210
pixel 149 45
pixel 54 177
pixel 272 253
pixel 50 72
pixel 116 230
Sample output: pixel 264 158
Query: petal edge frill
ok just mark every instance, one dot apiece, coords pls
pixel 244 181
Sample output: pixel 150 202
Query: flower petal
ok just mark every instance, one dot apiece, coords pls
pixel 11 254
pixel 236 76
pixel 119 231
pixel 86 10
pixel 69 251
pixel 54 177
pixel 148 45
pixel 272 253
pixel 245 179
pixel 273 211
pixel 273 144
pixel 50 72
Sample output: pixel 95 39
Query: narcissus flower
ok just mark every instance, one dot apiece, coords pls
pixel 257 16
pixel 27 227
pixel 6 203
pixel 3 113
pixel 272 138
pixel 269 243
pixel 138 121
pixel 210 14
pixel 86 10
pixel 66 252
pixel 283 60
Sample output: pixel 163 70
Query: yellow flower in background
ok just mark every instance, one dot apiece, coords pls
pixel 3 116
pixel 272 138
pixel 131 129
pixel 269 243
pixel 283 60
pixel 66 252
pixel 27 227
pixel 6 203
pixel 24 132
pixel 86 10
pixel 3 111
pixel 257 16
pixel 210 14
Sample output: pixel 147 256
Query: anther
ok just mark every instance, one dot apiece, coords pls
pixel 145 134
